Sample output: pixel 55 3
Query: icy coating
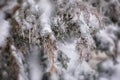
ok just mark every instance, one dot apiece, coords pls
pixel 59 40
pixel 63 21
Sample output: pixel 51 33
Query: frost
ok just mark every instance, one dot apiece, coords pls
pixel 4 31
pixel 60 39
pixel 20 58
pixel 105 42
